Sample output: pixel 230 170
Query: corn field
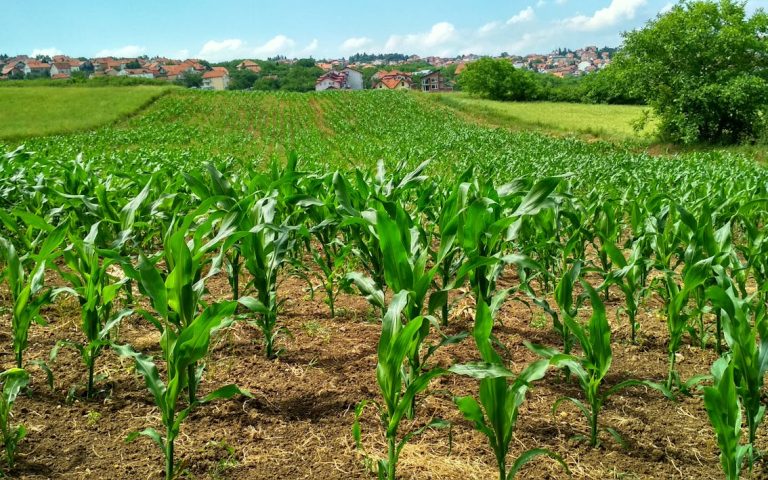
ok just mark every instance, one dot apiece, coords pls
pixel 248 285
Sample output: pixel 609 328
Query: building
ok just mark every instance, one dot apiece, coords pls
pixel 216 79
pixel 393 80
pixel 249 65
pixel 434 82
pixel 347 79
pixel 12 69
pixel 35 68
pixel 61 68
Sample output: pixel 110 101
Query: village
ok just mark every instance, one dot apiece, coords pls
pixel 391 71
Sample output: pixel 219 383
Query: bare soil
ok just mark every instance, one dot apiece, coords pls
pixel 298 425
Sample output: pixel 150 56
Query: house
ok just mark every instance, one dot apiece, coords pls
pixel 393 80
pixel 347 79
pixel 216 79
pixel 249 65
pixel 136 73
pixel 61 76
pixel 35 68
pixel 434 82
pixel 174 72
pixel 193 64
pixel 61 68
pixel 12 69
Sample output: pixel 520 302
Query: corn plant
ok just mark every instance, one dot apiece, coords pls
pixel 27 290
pixel 96 291
pixel 591 367
pixel 324 226
pixel 268 246
pixel 746 333
pixel 394 344
pixel 676 299
pixel 177 298
pixel 495 416
pixel 405 270
pixel 724 410
pixel 630 278
pixel 13 381
pixel 181 354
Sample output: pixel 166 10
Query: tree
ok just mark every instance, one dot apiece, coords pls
pixel 133 64
pixel 498 80
pixel 702 66
pixel 190 80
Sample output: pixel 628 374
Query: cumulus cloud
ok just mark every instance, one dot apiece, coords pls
pixel 311 47
pixel 48 52
pixel 121 52
pixel 439 37
pixel 278 45
pixel 488 28
pixel 355 44
pixel 214 50
pixel 222 50
pixel 523 16
pixel 617 11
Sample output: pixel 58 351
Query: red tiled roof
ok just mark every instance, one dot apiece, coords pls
pixel 217 72
pixel 60 76
pixel 34 64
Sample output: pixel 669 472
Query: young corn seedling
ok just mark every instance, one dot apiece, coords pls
pixel 405 270
pixel 268 248
pixel 96 291
pixel 676 300
pixel 592 366
pixel 177 298
pixel 324 225
pixel 630 278
pixel 394 344
pixel 495 416
pixel 746 333
pixel 27 290
pixel 13 381
pixel 724 410
pixel 181 353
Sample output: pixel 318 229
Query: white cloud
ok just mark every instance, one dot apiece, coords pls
pixel 488 28
pixel 561 2
pixel 128 51
pixel 666 8
pixel 182 54
pixel 617 11
pixel 310 48
pixel 525 15
pixel 279 45
pixel 541 3
pixel 439 36
pixel 232 48
pixel 355 44
pixel 48 52
pixel 223 50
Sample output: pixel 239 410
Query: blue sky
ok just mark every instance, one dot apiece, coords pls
pixel 219 30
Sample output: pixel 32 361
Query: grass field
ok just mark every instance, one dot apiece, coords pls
pixel 607 122
pixel 37 111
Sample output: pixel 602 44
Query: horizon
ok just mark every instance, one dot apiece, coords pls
pixel 296 29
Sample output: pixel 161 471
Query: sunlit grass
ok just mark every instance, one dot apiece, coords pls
pixel 36 111
pixel 607 122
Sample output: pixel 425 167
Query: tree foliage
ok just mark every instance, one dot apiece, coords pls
pixel 702 67
pixel 498 79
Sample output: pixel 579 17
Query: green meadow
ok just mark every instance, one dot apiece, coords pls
pixel 38 111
